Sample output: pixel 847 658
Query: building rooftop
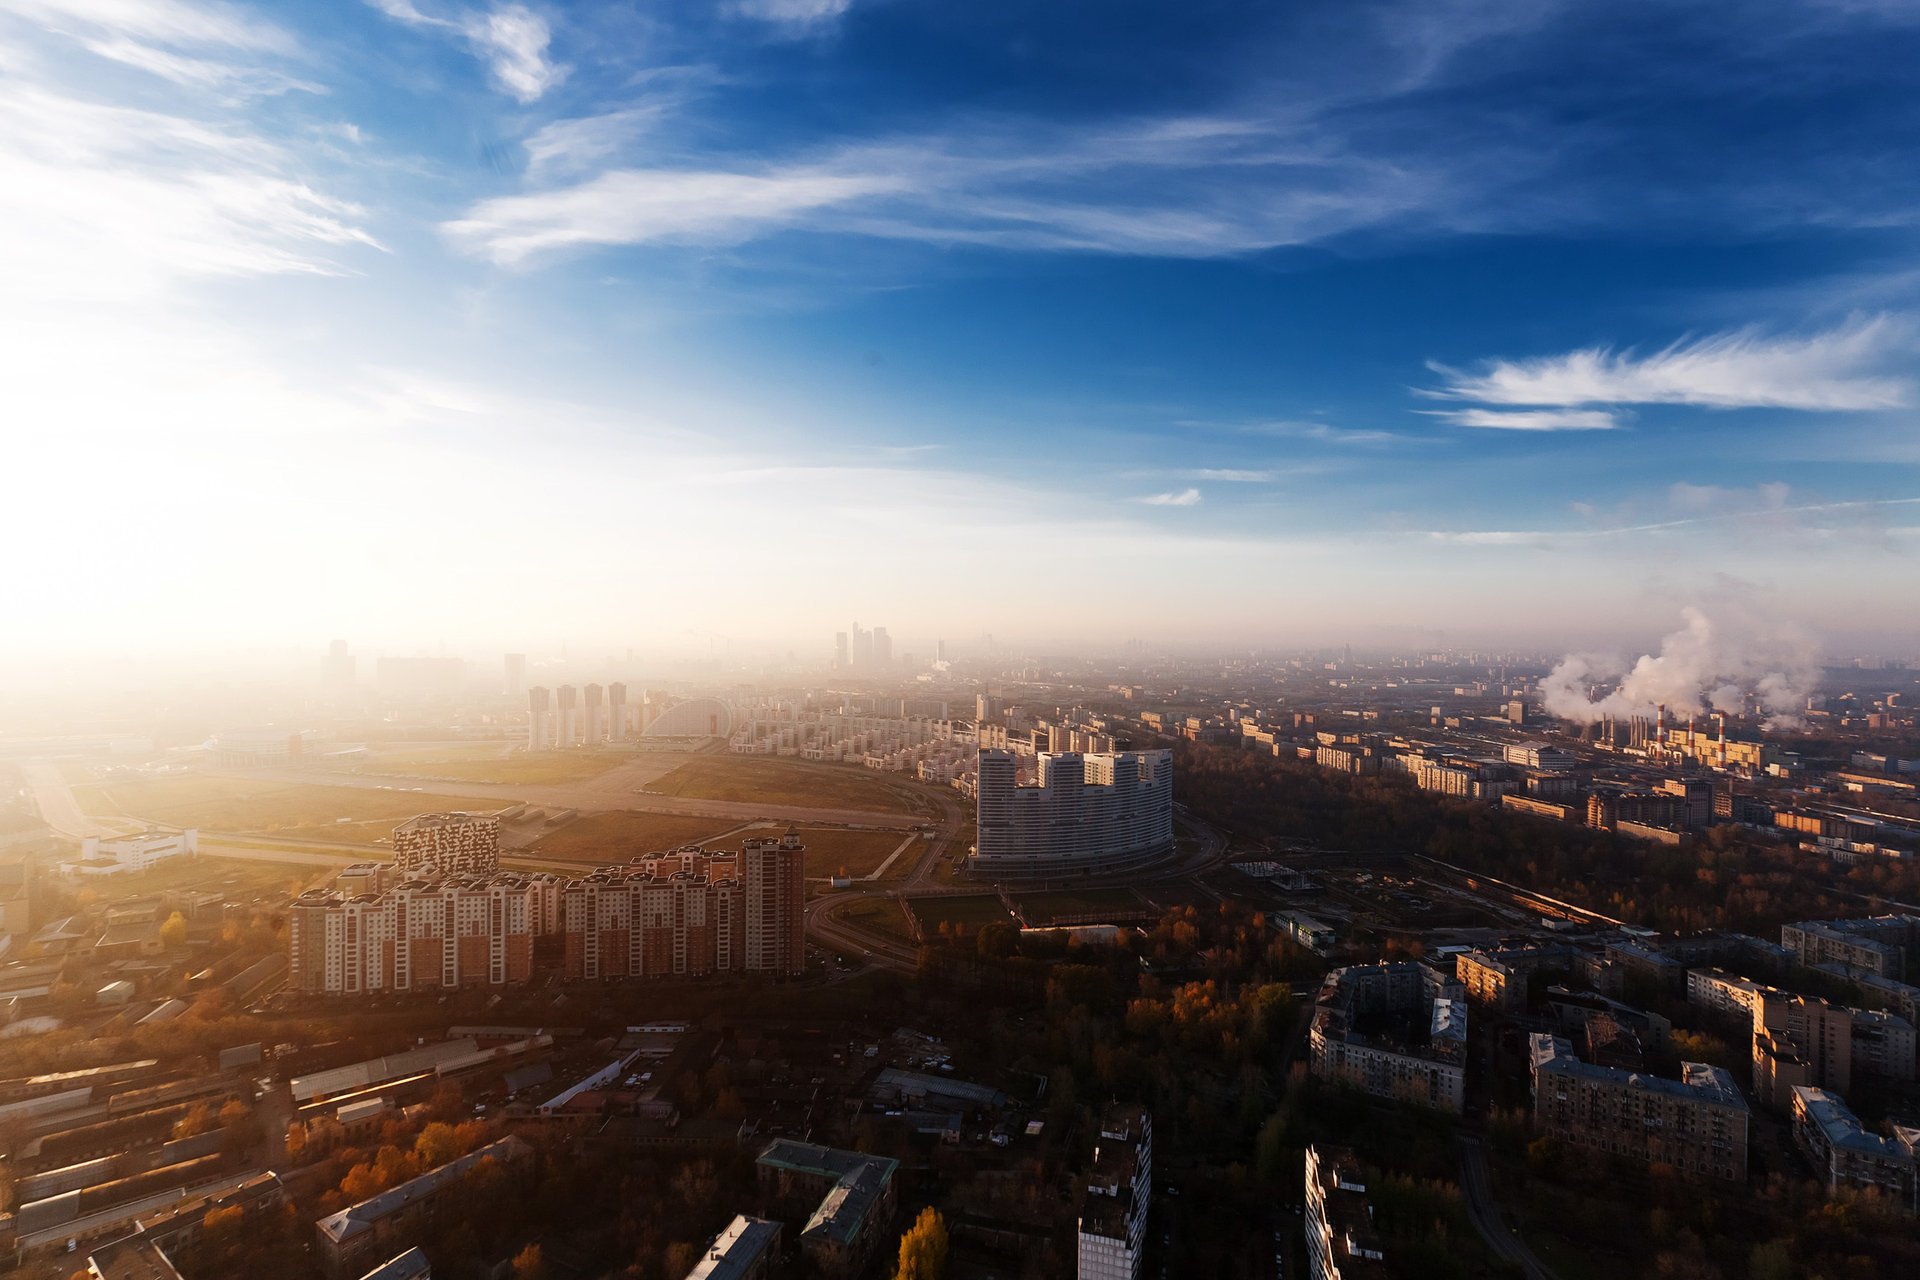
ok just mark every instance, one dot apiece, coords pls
pixel 861 1179
pixel 744 1241
pixel 355 1220
pixel 1698 1081
pixel 411 1265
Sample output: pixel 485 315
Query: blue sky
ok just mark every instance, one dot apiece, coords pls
pixel 502 323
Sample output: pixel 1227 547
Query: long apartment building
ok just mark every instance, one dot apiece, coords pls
pixel 448 844
pixel 1696 1124
pixel 1877 945
pixel 688 913
pixel 1113 1217
pixel 1847 1156
pixel 1394 1030
pixel 1085 813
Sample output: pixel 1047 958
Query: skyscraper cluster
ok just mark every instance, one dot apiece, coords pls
pixel 562 718
pixel 862 650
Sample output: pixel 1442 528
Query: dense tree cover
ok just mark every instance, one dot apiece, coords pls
pixel 1729 878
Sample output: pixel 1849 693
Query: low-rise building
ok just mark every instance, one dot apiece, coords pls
pixel 1845 1155
pixel 747 1249
pixel 1696 1124
pixel 844 1200
pixel 350 1240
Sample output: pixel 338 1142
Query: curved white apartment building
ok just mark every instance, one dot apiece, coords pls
pixel 1084 814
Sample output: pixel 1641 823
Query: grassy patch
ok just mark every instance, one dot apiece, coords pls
pixel 857 853
pixel 1050 904
pixel 616 837
pixel 814 784
pixel 968 909
pixel 877 915
pixel 495 763
pixel 297 811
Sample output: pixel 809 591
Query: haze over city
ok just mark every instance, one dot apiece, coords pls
pixel 1235 328
pixel 959 640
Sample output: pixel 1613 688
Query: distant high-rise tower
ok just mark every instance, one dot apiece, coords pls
pixel 842 656
pixel 539 719
pixel 882 647
pixel 569 699
pixel 596 714
pixel 617 711
pixel 940 651
pixel 337 668
pixel 516 675
pixel 862 647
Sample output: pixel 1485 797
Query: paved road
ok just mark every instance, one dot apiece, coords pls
pixel 1485 1213
pixel 58 808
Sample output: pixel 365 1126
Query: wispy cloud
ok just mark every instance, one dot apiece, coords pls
pixel 1182 187
pixel 640 207
pixel 1297 429
pixel 1232 475
pixel 512 39
pixel 792 13
pixel 1173 498
pixel 1841 369
pixel 200 46
pixel 1529 419
pixel 1752 511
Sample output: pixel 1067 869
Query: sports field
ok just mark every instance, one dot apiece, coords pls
pixel 301 811
pixel 774 782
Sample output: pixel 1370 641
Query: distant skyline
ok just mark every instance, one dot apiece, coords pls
pixel 1229 326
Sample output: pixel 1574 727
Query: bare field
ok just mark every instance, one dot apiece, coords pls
pixel 494 762
pixel 970 910
pixel 616 837
pixel 855 853
pixel 809 783
pixel 292 810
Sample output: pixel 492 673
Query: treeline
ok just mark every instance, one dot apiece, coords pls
pixel 1728 878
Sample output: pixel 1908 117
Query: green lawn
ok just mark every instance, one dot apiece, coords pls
pixel 295 810
pixel 774 782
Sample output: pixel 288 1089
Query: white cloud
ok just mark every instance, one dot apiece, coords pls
pixel 193 45
pixel 110 202
pixel 629 206
pixel 1177 498
pixel 1531 419
pixel 510 38
pixel 798 13
pixel 1841 369
pixel 572 145
pixel 1232 475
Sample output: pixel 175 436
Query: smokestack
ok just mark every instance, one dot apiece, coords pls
pixel 1660 723
pixel 1721 716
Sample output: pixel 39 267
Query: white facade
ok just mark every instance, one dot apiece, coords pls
pixel 106 856
pixel 1087 813
pixel 1113 1220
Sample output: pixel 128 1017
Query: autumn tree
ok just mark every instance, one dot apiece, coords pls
pixel 530 1264
pixel 924 1248
pixel 174 932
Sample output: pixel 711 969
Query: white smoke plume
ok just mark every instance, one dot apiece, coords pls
pixel 1710 664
